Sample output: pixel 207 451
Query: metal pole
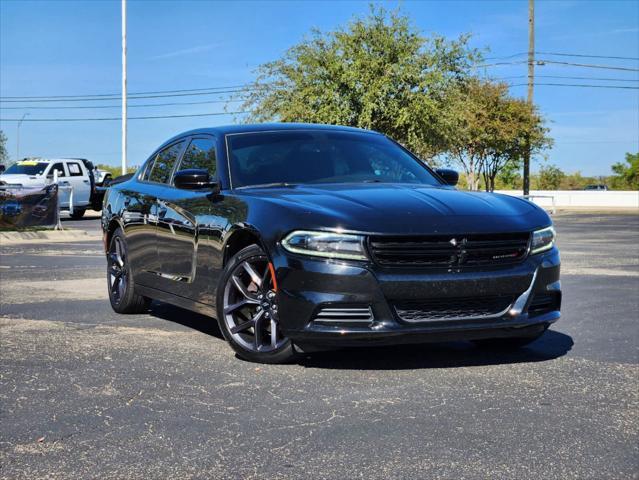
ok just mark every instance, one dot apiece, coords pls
pixel 531 84
pixel 18 138
pixel 124 142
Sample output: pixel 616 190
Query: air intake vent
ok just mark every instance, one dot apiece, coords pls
pixel 344 315
pixel 543 303
pixel 451 309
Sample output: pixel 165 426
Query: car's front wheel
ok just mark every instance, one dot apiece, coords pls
pixel 247 309
pixel 122 293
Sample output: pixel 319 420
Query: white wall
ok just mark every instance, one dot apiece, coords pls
pixel 582 198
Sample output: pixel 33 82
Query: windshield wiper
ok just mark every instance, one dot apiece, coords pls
pixel 268 185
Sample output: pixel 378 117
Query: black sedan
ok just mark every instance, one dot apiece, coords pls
pixel 297 237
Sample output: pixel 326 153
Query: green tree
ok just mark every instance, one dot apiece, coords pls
pixel 550 177
pixel 377 72
pixel 627 174
pixel 491 131
pixel 4 155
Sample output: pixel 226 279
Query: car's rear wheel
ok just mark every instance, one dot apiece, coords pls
pixel 78 213
pixel 120 279
pixel 248 311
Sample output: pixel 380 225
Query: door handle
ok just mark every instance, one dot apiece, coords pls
pixel 86 181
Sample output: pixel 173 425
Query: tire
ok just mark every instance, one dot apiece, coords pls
pixel 509 343
pixel 247 309
pixel 120 279
pixel 78 213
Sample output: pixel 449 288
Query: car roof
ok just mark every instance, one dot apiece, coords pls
pixel 50 160
pixel 268 127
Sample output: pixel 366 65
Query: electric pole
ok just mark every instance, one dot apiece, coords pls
pixel 124 87
pixel 531 84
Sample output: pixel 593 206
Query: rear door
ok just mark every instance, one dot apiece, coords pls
pixel 181 214
pixel 140 216
pixel 81 183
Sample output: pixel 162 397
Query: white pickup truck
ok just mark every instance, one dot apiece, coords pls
pixel 75 172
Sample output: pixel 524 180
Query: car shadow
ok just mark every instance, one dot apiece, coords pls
pixel 196 321
pixel 551 345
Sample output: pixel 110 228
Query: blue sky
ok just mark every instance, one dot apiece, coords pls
pixel 72 48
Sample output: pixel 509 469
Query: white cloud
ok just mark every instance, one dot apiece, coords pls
pixel 186 51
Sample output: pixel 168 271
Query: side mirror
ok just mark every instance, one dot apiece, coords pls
pixel 450 177
pixel 195 179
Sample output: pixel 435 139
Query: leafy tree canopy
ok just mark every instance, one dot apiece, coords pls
pixel 4 155
pixel 627 174
pixel 377 73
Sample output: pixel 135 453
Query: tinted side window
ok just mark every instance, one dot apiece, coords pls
pixel 164 163
pixel 60 168
pixel 200 154
pixel 74 169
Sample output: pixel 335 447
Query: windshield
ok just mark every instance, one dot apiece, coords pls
pixel 307 156
pixel 27 168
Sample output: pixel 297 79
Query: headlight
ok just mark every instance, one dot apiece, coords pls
pixel 326 244
pixel 543 240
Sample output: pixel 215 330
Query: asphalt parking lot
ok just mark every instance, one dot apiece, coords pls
pixel 87 393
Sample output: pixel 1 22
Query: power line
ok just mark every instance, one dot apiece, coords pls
pixel 571 78
pixel 574 85
pixel 118 118
pixel 588 65
pixel 129 97
pixel 117 95
pixel 587 56
pixel 581 55
pixel 75 107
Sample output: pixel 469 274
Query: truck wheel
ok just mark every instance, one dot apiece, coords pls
pixel 78 213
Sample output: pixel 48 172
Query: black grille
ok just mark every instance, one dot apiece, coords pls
pixel 446 251
pixel 442 309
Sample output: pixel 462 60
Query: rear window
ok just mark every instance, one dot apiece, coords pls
pixel 27 168
pixel 74 169
pixel 164 162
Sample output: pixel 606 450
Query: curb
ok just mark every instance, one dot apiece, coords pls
pixel 69 235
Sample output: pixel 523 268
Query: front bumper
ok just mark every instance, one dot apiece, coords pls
pixel 306 286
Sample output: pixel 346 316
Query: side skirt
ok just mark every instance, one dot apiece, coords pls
pixel 176 300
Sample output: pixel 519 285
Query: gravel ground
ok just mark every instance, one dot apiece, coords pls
pixel 87 393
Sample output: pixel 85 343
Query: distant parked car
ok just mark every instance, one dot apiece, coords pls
pixel 596 187
pixel 102 177
pixel 77 172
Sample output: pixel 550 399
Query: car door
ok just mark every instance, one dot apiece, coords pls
pixel 81 183
pixel 181 216
pixel 63 178
pixel 139 213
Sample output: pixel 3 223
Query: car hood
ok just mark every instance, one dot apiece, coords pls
pixel 22 179
pixel 400 209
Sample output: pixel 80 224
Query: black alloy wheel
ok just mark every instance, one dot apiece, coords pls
pixel 120 280
pixel 248 309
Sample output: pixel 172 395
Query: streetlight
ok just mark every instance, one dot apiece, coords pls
pixel 18 137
